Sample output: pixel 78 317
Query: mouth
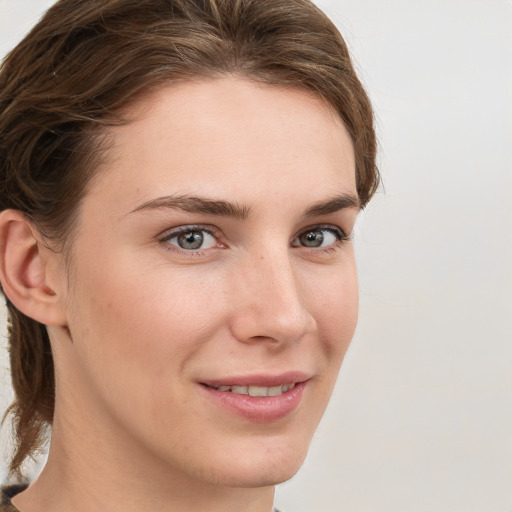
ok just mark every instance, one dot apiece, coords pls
pixel 255 391
pixel 258 398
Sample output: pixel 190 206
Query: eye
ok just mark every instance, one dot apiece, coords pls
pixel 191 238
pixel 319 237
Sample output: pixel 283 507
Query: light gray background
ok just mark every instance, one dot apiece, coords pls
pixel 421 419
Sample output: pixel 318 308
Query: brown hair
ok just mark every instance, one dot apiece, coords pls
pixel 84 61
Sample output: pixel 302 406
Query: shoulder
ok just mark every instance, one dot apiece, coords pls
pixel 7 493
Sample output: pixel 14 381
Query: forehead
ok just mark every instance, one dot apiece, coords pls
pixel 229 136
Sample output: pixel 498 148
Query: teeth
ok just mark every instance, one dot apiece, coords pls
pixel 275 391
pixel 257 390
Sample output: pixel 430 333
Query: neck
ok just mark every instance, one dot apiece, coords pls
pixel 89 483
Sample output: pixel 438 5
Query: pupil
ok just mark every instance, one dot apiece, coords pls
pixel 313 239
pixel 190 240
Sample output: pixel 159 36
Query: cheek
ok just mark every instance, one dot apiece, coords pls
pixel 134 333
pixel 336 311
pixel 147 321
pixel 146 311
pixel 335 305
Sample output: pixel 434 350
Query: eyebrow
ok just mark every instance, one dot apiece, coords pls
pixel 193 204
pixel 333 205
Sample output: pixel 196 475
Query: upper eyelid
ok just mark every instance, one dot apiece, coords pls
pixel 171 232
pixel 166 236
pixel 332 227
pixel 340 235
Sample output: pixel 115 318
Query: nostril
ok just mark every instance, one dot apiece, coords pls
pixel 264 338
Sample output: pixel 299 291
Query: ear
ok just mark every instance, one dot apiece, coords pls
pixel 24 270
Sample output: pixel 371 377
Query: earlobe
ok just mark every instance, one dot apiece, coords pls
pixel 24 270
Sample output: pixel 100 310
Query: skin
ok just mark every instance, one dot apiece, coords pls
pixel 136 322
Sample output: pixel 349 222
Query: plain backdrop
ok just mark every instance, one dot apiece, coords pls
pixel 421 418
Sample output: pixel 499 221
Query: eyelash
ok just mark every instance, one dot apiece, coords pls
pixel 338 233
pixel 182 230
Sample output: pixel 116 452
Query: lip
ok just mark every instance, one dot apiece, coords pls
pixel 267 381
pixel 259 409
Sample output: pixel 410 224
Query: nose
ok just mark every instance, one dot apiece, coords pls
pixel 270 301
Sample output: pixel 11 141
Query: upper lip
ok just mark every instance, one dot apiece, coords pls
pixel 263 380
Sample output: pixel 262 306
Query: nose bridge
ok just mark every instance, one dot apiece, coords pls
pixel 271 303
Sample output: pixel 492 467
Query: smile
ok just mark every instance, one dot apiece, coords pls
pixel 256 401
pixel 256 390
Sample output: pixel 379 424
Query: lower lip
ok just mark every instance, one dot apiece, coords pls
pixel 260 409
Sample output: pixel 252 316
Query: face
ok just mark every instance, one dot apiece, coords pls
pixel 214 291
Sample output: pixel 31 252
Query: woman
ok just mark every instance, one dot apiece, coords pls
pixel 180 180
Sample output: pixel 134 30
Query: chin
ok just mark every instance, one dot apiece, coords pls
pixel 259 477
pixel 276 475
pixel 263 468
